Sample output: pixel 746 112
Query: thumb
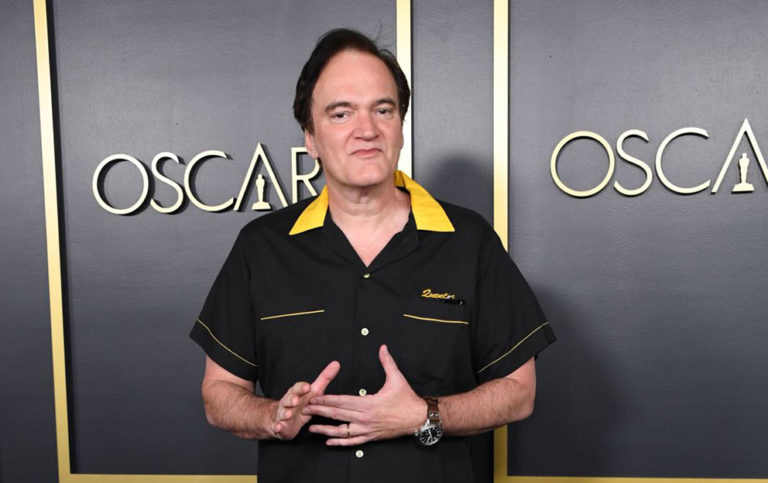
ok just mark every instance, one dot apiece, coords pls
pixel 388 363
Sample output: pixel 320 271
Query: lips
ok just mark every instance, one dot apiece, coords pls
pixel 364 153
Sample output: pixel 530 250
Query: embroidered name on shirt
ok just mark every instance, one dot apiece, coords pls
pixel 429 294
pixel 445 297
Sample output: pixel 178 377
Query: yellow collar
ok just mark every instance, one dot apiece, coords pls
pixel 427 212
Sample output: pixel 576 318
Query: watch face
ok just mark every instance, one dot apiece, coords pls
pixel 431 435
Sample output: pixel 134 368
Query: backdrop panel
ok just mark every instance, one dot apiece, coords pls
pixel 141 78
pixel 658 298
pixel 183 78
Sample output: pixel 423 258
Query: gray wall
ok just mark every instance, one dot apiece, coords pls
pixel 656 299
pixel 27 433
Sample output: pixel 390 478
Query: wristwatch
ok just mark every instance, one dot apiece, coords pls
pixel 432 430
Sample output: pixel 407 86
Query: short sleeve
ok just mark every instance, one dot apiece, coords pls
pixel 510 326
pixel 224 329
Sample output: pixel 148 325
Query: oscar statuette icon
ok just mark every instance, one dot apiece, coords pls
pixel 261 205
pixel 743 186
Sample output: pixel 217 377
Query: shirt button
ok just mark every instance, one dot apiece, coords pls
pixel 359 453
pixel 364 331
pixel 362 392
pixel 367 275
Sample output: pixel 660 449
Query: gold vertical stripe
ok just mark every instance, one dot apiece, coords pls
pixel 405 163
pixel 52 239
pixel 500 176
pixel 500 450
pixel 501 119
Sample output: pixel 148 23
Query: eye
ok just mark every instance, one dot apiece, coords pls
pixel 339 115
pixel 384 111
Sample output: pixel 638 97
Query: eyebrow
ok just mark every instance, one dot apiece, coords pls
pixel 334 105
pixel 385 100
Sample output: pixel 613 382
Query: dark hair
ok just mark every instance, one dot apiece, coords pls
pixel 330 44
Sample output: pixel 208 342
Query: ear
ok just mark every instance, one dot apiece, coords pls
pixel 309 143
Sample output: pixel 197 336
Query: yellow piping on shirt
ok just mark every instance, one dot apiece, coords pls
pixel 278 316
pixel 513 348
pixel 224 346
pixel 430 319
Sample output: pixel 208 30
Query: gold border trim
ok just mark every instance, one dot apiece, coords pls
pixel 404 36
pixel 430 319
pixel 501 119
pixel 52 237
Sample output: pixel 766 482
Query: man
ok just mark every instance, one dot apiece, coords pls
pixel 375 318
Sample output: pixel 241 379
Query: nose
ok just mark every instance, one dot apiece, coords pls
pixel 366 126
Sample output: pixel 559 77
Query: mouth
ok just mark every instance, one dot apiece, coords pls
pixel 366 153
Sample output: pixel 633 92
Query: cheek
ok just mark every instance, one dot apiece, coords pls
pixel 398 139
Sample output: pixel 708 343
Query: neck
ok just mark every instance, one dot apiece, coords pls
pixel 369 217
pixel 371 204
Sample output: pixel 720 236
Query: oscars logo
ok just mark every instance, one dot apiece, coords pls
pixel 745 132
pixel 186 189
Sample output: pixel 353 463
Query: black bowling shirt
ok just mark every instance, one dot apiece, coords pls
pixel 443 295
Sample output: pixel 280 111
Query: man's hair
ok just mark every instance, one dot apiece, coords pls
pixel 330 44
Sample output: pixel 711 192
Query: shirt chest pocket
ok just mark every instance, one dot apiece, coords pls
pixel 434 344
pixel 291 341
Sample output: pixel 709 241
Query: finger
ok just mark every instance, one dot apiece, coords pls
pixel 284 414
pixel 289 400
pixel 338 414
pixel 388 363
pixel 298 389
pixel 328 430
pixel 340 401
pixel 354 441
pixel 293 395
pixel 325 377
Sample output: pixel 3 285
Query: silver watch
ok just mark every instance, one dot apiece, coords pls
pixel 432 430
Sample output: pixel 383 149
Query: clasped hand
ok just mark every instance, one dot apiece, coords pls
pixel 395 410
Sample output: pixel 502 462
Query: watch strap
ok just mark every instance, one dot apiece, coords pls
pixel 433 411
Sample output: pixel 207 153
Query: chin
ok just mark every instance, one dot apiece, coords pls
pixel 372 176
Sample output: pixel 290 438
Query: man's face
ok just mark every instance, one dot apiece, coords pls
pixel 357 128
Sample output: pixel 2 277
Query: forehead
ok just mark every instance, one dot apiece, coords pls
pixel 352 73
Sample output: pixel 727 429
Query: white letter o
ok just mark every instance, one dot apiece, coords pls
pixel 144 181
pixel 561 145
